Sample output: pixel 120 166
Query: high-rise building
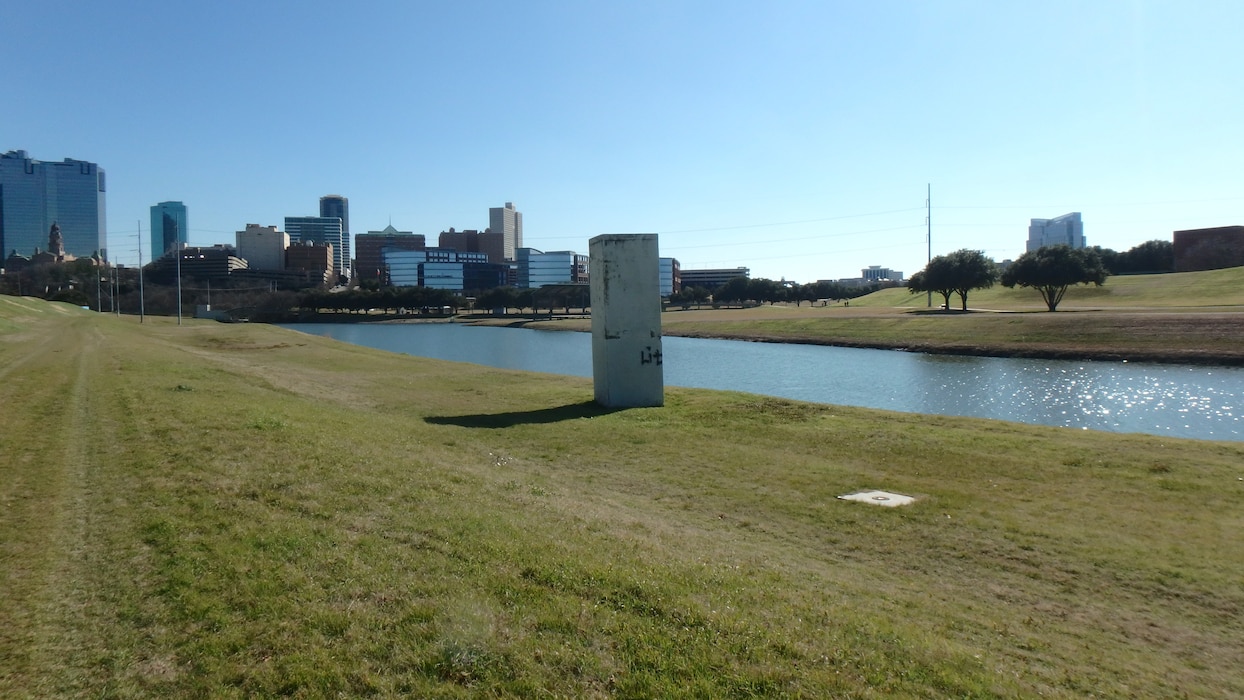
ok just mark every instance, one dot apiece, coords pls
pixel 170 226
pixel 508 222
pixel 338 206
pixel 263 247
pixel 36 194
pixel 323 230
pixel 369 250
pixel 489 243
pixel 1066 230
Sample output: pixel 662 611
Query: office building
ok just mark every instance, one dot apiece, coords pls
pixel 263 247
pixel 325 230
pixel 1066 230
pixel 442 268
pixel 369 247
pixel 670 276
pixel 315 260
pixel 335 205
pixel 1209 248
pixel 36 194
pixel 508 222
pixel 202 263
pixel 712 279
pixel 170 228
pixel 877 273
pixel 489 243
pixel 537 268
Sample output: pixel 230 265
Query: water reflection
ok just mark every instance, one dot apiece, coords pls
pixel 1177 400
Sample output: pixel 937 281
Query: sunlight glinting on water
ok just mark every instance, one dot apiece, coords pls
pixel 1176 400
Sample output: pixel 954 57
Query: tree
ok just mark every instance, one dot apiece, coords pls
pixel 957 273
pixel 937 276
pixel 971 270
pixel 735 289
pixel 1150 256
pixel 1052 269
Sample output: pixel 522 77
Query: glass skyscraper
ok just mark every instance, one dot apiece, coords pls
pixel 322 230
pixel 169 226
pixel 35 194
pixel 335 205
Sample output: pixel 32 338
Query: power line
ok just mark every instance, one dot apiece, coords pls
pixel 800 238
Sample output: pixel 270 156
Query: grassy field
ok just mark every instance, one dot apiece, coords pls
pixel 239 510
pixel 1195 317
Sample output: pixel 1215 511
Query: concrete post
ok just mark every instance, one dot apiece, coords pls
pixel 626 320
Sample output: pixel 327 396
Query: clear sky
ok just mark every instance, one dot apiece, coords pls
pixel 793 138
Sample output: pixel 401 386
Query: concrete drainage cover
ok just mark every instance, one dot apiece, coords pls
pixel 879 498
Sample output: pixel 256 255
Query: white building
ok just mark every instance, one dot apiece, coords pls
pixel 877 273
pixel 1066 230
pixel 263 247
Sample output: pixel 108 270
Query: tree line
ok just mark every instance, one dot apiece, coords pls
pixel 1050 270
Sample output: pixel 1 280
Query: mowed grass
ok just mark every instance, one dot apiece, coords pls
pixel 238 510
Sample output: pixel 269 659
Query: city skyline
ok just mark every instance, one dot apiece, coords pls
pixel 800 146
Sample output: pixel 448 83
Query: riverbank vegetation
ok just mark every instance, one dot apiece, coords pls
pixel 236 510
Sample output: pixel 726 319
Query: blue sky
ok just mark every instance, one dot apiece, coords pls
pixel 794 138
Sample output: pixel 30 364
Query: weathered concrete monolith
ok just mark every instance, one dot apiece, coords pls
pixel 626 320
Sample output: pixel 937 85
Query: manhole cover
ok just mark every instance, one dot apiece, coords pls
pixel 879 498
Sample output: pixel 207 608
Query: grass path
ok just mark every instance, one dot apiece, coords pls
pixel 237 511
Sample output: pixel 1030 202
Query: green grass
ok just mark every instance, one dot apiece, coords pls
pixel 238 510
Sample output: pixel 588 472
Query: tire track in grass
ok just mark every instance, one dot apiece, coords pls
pixel 63 609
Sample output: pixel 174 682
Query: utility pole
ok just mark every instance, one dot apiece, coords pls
pixel 177 235
pixel 928 233
pixel 142 299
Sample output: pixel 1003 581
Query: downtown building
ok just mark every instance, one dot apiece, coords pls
pixel 170 228
pixel 334 205
pixel 369 251
pixel 443 268
pixel 324 230
pixel 537 269
pixel 36 194
pixel 508 222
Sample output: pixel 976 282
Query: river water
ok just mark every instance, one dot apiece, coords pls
pixel 1176 400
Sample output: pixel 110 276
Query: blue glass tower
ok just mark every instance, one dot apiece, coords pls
pixel 35 194
pixel 169 226
pixel 334 205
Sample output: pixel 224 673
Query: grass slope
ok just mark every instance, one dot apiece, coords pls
pixel 1210 289
pixel 238 510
